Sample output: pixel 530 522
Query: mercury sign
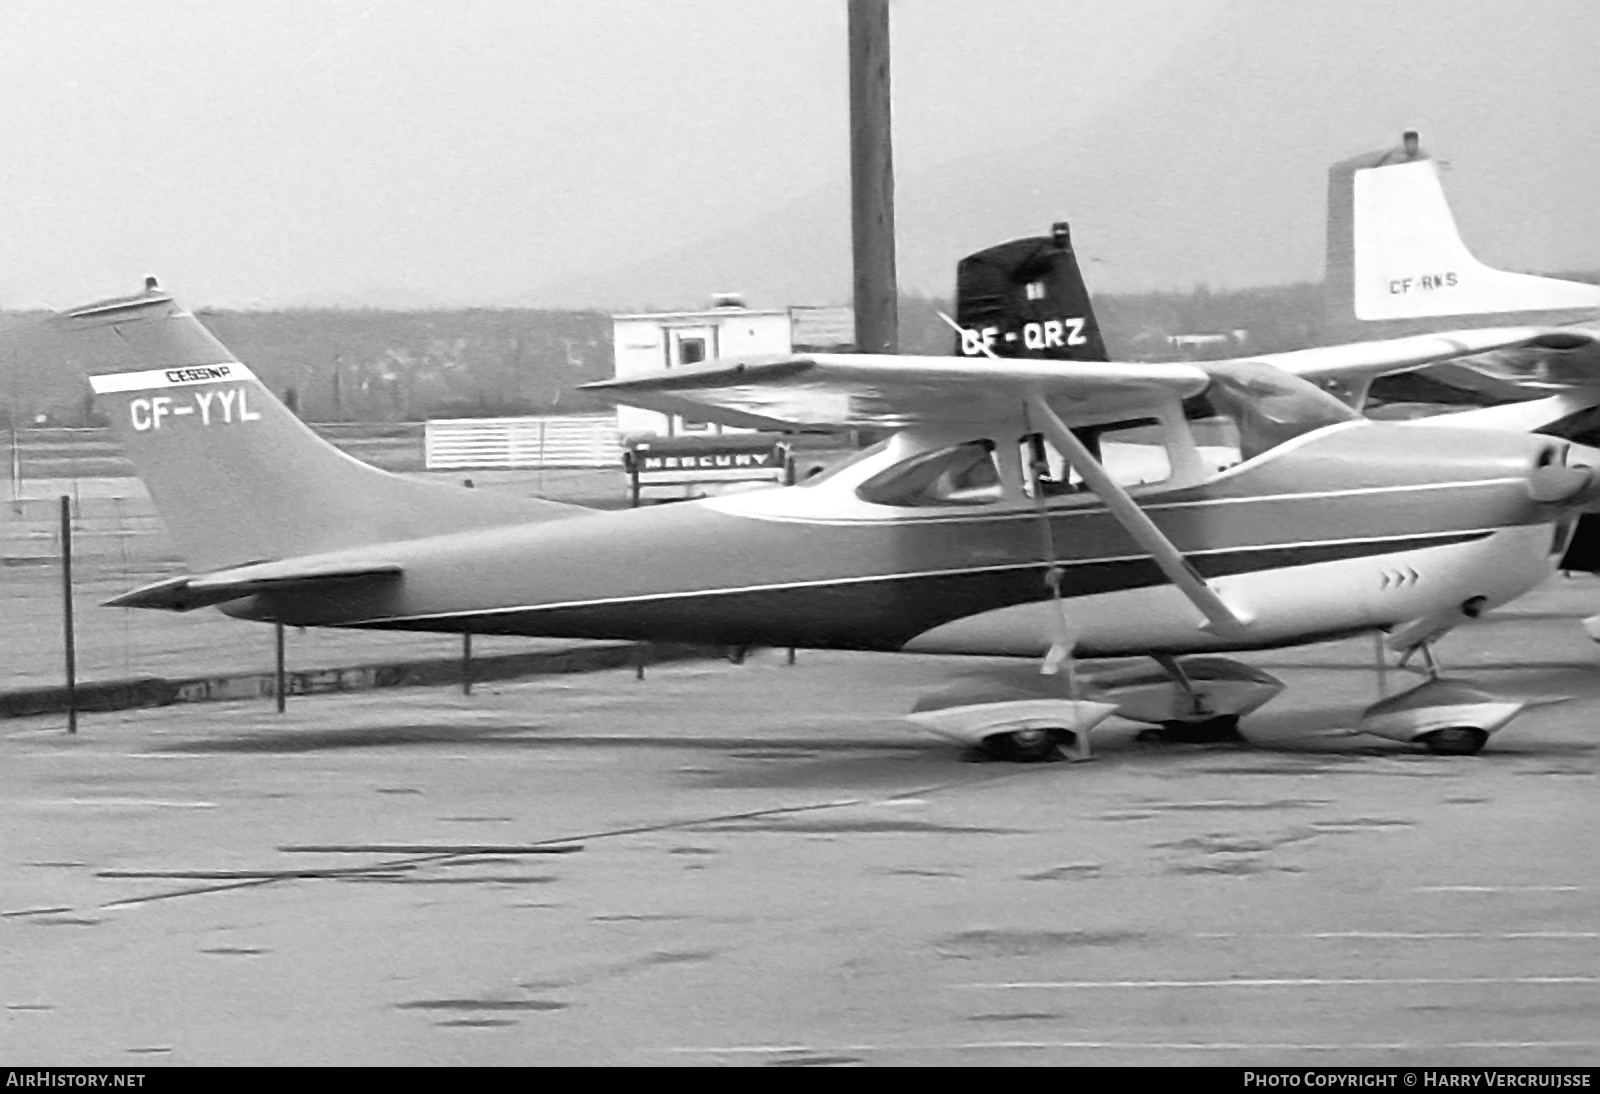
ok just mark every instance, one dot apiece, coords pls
pixel 688 462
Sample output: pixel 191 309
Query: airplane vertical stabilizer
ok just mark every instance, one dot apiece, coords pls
pixel 1026 298
pixel 1394 252
pixel 236 477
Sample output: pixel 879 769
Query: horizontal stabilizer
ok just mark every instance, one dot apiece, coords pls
pixel 183 594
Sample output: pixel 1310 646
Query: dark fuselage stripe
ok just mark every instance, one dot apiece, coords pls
pixel 880 612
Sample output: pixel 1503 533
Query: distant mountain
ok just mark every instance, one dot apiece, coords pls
pixel 1214 172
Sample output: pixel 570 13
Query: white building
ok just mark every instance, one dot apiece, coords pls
pixel 649 342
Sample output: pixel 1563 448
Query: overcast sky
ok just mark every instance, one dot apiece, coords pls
pixel 257 154
pixel 420 152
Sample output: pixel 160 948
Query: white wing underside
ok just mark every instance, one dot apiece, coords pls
pixel 827 391
pixel 832 391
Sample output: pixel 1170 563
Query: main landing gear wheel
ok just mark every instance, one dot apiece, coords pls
pixel 1203 731
pixel 1455 741
pixel 1024 746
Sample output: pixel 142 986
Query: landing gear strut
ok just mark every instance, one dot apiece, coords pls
pixel 1195 700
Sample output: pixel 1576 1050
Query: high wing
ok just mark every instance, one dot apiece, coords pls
pixel 830 391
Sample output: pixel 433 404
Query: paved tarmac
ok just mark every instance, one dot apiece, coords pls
pixel 761 864
pixel 120 544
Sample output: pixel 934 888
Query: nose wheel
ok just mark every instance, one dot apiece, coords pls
pixel 1447 717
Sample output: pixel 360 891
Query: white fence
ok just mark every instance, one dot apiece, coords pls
pixel 482 443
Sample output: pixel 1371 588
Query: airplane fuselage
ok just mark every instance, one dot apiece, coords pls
pixel 1350 528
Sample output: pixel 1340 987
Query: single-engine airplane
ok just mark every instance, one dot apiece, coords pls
pixel 1021 506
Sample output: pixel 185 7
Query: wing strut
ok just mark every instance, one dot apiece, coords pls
pixel 1219 617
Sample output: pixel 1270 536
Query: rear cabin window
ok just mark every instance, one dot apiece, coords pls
pixel 964 474
pixel 1216 439
pixel 1134 453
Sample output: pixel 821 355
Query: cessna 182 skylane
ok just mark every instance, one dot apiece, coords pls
pixel 1020 507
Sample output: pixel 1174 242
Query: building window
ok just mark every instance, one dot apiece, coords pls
pixel 691 351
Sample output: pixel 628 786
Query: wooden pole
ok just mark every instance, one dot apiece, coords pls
pixel 872 180
pixel 466 662
pixel 282 685
pixel 66 614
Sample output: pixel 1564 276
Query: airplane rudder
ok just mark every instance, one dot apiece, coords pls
pixel 1027 298
pixel 1408 261
pixel 156 370
pixel 232 471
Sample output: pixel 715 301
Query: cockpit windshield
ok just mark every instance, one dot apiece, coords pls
pixel 1266 404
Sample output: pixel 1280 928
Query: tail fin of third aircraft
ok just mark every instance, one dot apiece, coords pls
pixel 1026 298
pixel 1394 252
pixel 236 477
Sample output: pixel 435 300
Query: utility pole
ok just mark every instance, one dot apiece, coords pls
pixel 280 676
pixel 877 302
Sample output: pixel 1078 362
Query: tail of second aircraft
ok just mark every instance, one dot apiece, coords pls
pixel 1394 252
pixel 1026 298
pixel 236 477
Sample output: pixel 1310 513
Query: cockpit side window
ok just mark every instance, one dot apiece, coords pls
pixel 963 474
pixel 815 474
